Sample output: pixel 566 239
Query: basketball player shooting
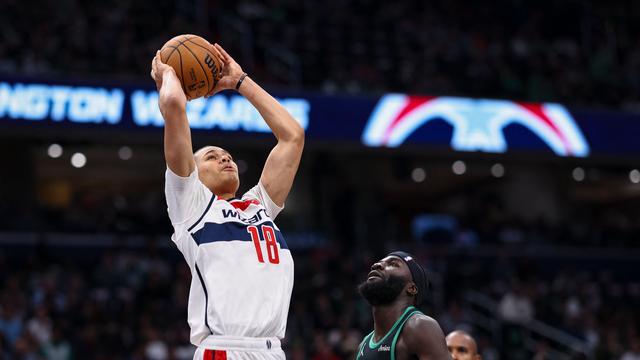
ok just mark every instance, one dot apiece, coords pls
pixel 241 267
pixel 396 288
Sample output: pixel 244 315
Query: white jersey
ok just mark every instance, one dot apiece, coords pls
pixel 241 267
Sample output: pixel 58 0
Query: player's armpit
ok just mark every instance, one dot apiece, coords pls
pixel 424 337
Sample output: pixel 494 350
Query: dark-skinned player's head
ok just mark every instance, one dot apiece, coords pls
pixel 397 277
pixel 462 346
pixel 217 170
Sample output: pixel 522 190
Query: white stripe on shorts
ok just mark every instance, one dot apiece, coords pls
pixel 217 342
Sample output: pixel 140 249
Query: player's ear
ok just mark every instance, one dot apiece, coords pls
pixel 412 289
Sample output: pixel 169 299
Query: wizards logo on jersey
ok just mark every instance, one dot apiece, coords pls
pixel 212 232
pixel 239 220
pixel 228 213
pixel 478 124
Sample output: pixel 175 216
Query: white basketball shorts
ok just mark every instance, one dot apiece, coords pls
pixel 239 348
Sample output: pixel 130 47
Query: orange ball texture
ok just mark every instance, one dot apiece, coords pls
pixel 197 67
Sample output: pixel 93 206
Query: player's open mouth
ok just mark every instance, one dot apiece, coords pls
pixel 374 274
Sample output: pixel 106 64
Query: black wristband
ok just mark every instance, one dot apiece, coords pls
pixel 240 81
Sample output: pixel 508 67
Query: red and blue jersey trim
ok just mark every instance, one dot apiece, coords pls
pixel 206 210
pixel 243 204
pixel 229 231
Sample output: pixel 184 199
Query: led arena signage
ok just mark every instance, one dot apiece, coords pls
pixel 231 113
pixel 393 120
pixel 106 106
pixel 477 124
pixel 59 103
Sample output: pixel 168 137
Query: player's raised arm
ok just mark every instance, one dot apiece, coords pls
pixel 178 151
pixel 283 161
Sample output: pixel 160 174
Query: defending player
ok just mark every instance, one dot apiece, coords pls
pixel 395 287
pixel 241 267
pixel 462 346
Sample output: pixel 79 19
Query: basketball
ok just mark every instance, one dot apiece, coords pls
pixel 197 67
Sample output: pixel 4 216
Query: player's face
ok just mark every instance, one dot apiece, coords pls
pixel 217 170
pixel 462 347
pixel 388 278
pixel 389 266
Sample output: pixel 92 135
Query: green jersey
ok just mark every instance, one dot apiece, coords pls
pixel 385 349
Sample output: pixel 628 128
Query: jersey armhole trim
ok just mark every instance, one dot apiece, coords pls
pixel 268 199
pixel 364 343
pixel 373 344
pixel 206 298
pixel 213 198
pixel 395 338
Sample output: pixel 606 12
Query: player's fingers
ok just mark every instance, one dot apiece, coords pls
pixel 218 54
pixel 154 74
pixel 226 56
pixel 154 70
pixel 153 63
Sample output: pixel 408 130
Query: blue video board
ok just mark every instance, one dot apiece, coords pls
pixel 392 120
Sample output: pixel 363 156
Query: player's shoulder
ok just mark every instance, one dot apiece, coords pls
pixel 422 335
pixel 252 195
pixel 420 325
pixel 422 320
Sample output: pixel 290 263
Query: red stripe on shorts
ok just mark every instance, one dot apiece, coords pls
pixel 208 355
pixel 214 355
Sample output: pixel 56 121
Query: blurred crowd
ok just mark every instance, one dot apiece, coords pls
pixel 598 307
pixel 130 303
pixel 576 52
pixel 484 219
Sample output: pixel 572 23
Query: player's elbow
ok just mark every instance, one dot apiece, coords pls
pixel 171 104
pixel 292 137
pixel 297 137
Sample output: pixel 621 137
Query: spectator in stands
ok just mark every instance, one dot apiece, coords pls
pixel 516 306
pixel 634 351
pixel 443 48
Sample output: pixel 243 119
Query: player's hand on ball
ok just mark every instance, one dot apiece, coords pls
pixel 231 70
pixel 159 69
pixel 167 82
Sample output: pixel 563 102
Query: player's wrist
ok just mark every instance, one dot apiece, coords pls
pixel 241 80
